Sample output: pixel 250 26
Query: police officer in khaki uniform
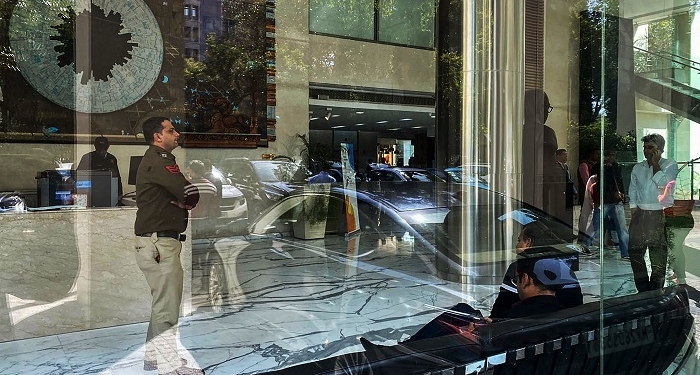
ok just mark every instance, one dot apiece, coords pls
pixel 163 196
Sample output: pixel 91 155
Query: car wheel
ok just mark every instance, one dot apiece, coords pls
pixel 217 291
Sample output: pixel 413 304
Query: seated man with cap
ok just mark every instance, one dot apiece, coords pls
pixel 101 160
pixel 537 280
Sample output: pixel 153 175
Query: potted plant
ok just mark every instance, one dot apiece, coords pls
pixel 316 155
pixel 312 213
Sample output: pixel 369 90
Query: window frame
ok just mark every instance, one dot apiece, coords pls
pixel 375 27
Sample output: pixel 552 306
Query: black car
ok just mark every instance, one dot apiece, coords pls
pixel 474 243
pixel 402 174
pixel 418 244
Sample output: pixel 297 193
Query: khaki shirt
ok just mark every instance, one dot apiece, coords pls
pixel 158 182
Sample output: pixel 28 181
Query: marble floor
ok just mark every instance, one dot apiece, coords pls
pixel 257 304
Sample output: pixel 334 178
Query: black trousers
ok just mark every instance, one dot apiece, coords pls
pixel 458 315
pixel 648 230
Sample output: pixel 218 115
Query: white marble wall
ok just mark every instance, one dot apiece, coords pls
pixel 67 271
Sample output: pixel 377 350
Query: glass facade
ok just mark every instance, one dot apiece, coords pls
pixel 401 187
pixel 349 19
pixel 403 23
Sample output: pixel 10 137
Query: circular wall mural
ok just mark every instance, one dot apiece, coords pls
pixel 95 56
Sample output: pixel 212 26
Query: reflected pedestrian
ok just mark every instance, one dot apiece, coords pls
pixel 565 191
pixel 538 150
pixel 532 239
pixel 647 201
pixel 323 177
pixel 571 191
pixel 584 175
pixel 613 198
pixel 101 160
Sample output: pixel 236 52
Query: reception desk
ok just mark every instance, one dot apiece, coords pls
pixel 72 270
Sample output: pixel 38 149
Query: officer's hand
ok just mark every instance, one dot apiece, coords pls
pixel 182 205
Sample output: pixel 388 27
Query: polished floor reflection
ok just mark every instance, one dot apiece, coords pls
pixel 274 301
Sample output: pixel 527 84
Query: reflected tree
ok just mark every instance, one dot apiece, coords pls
pixel 226 91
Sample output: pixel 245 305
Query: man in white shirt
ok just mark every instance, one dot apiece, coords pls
pixel 647 201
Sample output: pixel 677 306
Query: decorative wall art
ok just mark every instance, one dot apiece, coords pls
pixel 60 59
pixel 73 68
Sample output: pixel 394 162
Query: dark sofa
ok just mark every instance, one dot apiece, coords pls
pixel 643 334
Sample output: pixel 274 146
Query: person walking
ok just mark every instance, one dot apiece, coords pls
pixel 565 192
pixel 647 201
pixel 613 198
pixel 163 198
pixel 584 176
pixel 562 157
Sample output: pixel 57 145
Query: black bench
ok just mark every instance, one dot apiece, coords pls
pixel 643 334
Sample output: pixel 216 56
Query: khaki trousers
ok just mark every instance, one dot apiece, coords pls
pixel 165 280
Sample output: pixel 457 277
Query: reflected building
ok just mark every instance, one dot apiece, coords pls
pixel 428 84
pixel 202 18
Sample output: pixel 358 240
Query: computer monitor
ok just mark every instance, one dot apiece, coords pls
pixel 99 188
pixel 134 163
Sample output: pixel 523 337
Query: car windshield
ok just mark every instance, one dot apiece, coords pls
pixel 274 171
pixel 455 175
pixel 468 173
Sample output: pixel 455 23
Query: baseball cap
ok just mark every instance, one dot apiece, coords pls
pixel 554 272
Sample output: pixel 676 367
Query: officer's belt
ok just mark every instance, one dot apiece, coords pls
pixel 166 233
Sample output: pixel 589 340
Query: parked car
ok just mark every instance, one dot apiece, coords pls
pixel 438 173
pixel 263 182
pixel 471 175
pixel 398 246
pixel 438 230
pixel 233 205
pixel 402 174
pixel 12 203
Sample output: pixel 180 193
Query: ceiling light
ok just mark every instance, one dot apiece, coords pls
pixel 360 112
pixel 337 126
pixel 394 129
pixel 382 122
pixel 359 124
pixel 335 116
pixel 406 119
pixel 313 118
pixel 416 127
